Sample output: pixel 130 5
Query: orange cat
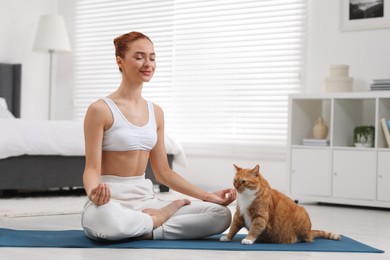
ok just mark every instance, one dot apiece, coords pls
pixel 269 215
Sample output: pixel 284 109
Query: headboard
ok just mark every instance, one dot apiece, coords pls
pixel 10 86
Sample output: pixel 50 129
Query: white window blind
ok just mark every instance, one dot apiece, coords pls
pixel 224 68
pixel 97 23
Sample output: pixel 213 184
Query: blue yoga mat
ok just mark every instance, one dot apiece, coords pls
pixel 77 239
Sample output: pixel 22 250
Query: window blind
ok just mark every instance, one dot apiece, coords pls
pixel 97 23
pixel 224 68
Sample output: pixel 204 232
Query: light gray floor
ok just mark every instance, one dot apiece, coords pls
pixel 370 226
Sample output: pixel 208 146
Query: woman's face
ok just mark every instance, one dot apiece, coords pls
pixel 139 62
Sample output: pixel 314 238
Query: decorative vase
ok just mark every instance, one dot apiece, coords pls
pixel 320 129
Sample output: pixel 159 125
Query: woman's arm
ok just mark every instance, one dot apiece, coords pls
pixel 166 176
pixel 93 133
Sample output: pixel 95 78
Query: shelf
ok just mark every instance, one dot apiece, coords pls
pixel 339 173
pixel 310 147
pixel 353 148
pixel 349 95
pixel 383 112
pixel 348 114
pixel 305 115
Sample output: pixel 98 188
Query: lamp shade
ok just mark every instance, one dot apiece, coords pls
pixel 52 35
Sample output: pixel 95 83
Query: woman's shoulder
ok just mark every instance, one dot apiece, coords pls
pixel 158 111
pixel 98 108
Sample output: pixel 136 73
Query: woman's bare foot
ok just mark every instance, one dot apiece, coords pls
pixel 159 216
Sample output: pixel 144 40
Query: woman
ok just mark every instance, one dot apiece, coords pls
pixel 123 131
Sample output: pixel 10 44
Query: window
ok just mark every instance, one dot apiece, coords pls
pixel 224 68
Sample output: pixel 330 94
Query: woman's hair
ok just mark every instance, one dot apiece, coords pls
pixel 122 42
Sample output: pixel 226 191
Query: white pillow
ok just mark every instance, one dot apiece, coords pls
pixel 3 103
pixel 4 113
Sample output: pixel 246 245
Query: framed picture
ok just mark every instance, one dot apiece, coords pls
pixel 364 14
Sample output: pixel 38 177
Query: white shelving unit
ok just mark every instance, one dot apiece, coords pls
pixel 339 173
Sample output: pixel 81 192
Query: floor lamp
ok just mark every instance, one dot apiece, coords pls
pixel 51 37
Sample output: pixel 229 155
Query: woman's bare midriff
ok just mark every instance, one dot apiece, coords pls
pixel 124 163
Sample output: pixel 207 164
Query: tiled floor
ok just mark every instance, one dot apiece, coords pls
pixel 370 226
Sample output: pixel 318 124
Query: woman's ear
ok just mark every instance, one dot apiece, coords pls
pixel 119 62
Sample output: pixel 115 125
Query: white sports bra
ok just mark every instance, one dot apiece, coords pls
pixel 124 136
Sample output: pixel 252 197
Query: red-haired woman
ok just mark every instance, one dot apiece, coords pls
pixel 122 131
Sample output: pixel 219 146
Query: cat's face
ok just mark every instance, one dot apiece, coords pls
pixel 247 179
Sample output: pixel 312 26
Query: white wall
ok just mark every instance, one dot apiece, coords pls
pixel 213 172
pixel 19 20
pixel 366 52
pixel 63 107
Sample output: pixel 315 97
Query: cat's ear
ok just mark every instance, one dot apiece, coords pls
pixel 237 168
pixel 256 170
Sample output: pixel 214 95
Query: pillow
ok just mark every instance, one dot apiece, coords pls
pixel 4 113
pixel 3 103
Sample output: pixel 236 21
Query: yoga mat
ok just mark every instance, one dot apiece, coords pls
pixel 77 239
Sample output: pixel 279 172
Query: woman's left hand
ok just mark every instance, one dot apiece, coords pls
pixel 223 197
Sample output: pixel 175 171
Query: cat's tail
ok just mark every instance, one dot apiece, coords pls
pixel 323 234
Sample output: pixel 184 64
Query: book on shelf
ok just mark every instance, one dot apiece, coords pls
pixel 316 142
pixel 382 87
pixel 381 81
pixel 380 84
pixel 386 130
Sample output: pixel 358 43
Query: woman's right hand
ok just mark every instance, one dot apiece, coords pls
pixel 100 195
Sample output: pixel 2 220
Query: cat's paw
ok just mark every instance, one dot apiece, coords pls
pixel 224 239
pixel 247 241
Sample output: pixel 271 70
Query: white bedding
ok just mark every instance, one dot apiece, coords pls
pixel 57 137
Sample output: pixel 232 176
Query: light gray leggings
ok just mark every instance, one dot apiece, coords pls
pixel 122 217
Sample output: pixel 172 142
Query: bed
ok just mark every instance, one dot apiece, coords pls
pixel 37 169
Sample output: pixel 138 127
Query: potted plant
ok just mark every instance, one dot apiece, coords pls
pixel 363 136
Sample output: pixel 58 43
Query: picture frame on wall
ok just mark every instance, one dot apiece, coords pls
pixel 364 14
